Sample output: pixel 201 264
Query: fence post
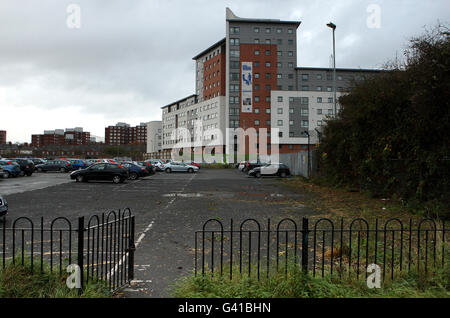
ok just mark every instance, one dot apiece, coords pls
pixel 81 250
pixel 131 249
pixel 305 232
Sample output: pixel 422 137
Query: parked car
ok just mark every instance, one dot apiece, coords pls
pixel 250 165
pixel 179 167
pixel 156 163
pixel 10 168
pixel 55 165
pixel 242 165
pixel 26 166
pixel 271 169
pixel 135 171
pixel 78 164
pixel 114 172
pixel 3 206
pixel 192 163
pixel 147 165
pixel 37 161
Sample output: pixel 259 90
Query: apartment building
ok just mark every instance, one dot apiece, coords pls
pixel 69 136
pixel 154 137
pixel 2 137
pixel 250 79
pixel 123 134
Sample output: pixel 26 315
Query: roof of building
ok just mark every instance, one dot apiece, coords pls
pixel 180 100
pixel 234 18
pixel 339 69
pixel 217 44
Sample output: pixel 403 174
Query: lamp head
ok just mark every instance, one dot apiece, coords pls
pixel 331 25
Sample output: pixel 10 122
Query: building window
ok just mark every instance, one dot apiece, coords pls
pixel 290 53
pixel 339 77
pixel 305 112
pixel 234 42
pixel 267 64
pixel 256 41
pixel 279 76
pixel 256 63
pixel 291 110
pixel 235 76
pixel 319 88
pixel 256 110
pixel 291 42
pixel 257 99
pixel 319 111
pixel 268 88
pixel 291 65
pixel 256 87
pixel 234 53
pixel 330 112
pixel 291 76
pixel 305 77
pixel 319 123
pixel 305 123
pixel 280 99
pixel 305 88
pixel 257 122
pixel 290 31
pixel 329 89
pixel 267 110
pixel 268 52
pixel 279 64
pixel 256 29
pixel 256 75
pixel 291 123
pixel 279 30
pixel 268 30
pixel 268 99
pixel 279 111
pixel 319 99
pixel 330 99
pixel 234 30
pixel 280 122
pixel 256 52
pixel 234 64
pixel 268 41
pixel 279 53
pixel 267 75
pixel 279 41
pixel 304 100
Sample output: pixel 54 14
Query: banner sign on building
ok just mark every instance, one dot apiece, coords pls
pixel 247 87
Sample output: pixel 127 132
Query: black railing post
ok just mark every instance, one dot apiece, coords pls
pixel 305 233
pixel 81 250
pixel 131 249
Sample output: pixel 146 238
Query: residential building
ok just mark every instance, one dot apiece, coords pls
pixel 250 79
pixel 123 134
pixel 70 136
pixel 154 137
pixel 2 137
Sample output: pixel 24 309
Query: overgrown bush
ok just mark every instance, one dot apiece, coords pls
pixel 392 135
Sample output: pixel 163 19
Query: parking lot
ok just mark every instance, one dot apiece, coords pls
pixel 168 209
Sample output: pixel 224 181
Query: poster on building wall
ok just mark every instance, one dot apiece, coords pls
pixel 246 87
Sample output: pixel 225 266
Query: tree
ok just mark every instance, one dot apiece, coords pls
pixel 392 136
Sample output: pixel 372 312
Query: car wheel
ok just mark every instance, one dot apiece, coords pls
pixel 22 173
pixel 133 176
pixel 117 179
pixel 190 170
pixel 62 170
pixel 79 178
pixel 39 169
pixel 168 170
pixel 283 174
pixel 258 174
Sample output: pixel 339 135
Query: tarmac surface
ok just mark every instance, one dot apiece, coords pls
pixel 169 208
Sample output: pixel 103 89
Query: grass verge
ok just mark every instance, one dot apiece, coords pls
pixel 300 285
pixel 18 281
pixel 345 202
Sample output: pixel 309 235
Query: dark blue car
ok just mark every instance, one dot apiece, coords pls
pixel 10 168
pixel 78 164
pixel 135 171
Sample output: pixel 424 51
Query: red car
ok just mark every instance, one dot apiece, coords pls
pixel 192 163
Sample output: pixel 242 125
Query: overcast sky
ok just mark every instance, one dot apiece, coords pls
pixel 129 58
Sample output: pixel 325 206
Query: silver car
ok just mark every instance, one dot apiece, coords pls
pixel 179 167
pixel 3 206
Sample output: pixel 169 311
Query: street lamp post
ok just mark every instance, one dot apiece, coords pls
pixel 309 157
pixel 333 26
